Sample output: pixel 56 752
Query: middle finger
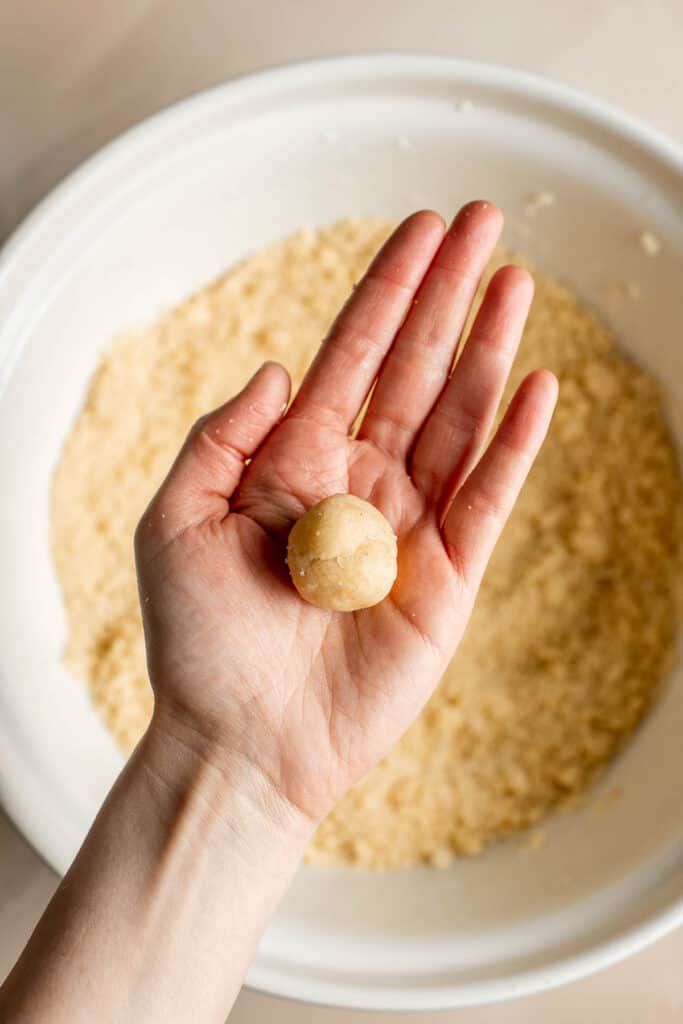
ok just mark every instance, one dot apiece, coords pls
pixel 417 366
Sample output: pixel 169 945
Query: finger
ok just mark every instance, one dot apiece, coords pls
pixel 422 355
pixel 345 368
pixel 484 502
pixel 210 463
pixel 453 436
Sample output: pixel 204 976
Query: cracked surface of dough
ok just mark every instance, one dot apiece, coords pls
pixel 342 554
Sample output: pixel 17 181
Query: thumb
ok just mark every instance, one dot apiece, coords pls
pixel 211 461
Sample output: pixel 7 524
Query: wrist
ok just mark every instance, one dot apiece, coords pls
pixel 227 792
pixel 183 867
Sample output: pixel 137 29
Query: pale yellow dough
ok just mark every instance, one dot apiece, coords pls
pixel 342 554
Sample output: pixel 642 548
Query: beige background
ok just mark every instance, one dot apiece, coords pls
pixel 73 73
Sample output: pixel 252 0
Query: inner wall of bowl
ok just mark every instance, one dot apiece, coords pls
pixel 158 220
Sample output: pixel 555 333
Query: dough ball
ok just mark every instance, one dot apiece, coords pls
pixel 342 554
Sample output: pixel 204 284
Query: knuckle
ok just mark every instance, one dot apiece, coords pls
pixel 356 343
pixel 392 277
pixel 514 447
pixel 491 506
pixel 198 426
pixel 463 414
pixel 209 443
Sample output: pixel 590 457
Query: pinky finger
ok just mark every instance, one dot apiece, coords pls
pixel 481 507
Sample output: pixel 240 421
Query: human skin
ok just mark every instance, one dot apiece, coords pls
pixel 268 709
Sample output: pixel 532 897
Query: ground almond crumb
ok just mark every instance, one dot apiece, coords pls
pixel 534 840
pixel 539 201
pixel 649 243
pixel 606 800
pixel 575 621
pixel 619 292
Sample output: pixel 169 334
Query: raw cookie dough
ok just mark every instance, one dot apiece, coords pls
pixel 342 554
pixel 574 625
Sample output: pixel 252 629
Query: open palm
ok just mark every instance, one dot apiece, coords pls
pixel 313 698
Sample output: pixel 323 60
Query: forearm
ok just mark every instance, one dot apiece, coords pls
pixel 159 915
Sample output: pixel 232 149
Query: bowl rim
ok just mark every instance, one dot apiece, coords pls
pixel 16 257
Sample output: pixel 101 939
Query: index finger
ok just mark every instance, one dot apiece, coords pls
pixel 342 374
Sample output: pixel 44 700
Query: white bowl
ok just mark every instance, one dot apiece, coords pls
pixel 163 210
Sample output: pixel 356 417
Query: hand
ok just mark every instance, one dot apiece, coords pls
pixel 241 666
